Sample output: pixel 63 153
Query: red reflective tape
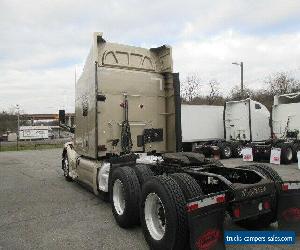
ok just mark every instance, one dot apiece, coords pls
pixel 290 186
pixel 191 207
pixel 285 187
pixel 205 202
pixel 221 199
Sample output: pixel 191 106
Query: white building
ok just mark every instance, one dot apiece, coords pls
pixel 34 132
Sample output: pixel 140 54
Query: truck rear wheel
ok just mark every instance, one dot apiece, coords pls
pixel 265 170
pixel 265 220
pixel 225 150
pixel 188 185
pixel 236 149
pixel 125 196
pixel 163 214
pixel 296 148
pixel 213 162
pixel 286 154
pixel 143 173
pixel 66 168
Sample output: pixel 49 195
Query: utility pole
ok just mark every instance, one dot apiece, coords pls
pixel 18 127
pixel 242 77
pixel 241 64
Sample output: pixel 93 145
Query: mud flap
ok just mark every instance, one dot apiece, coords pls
pixel 206 219
pixel 288 213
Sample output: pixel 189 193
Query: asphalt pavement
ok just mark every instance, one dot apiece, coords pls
pixel 40 210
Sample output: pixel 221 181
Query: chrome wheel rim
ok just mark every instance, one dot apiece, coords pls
pixel 155 216
pixel 289 154
pixel 227 151
pixel 66 167
pixel 239 150
pixel 118 197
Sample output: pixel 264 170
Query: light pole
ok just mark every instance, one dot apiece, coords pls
pixel 241 64
pixel 18 128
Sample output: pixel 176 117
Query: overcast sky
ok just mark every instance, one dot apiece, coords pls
pixel 41 42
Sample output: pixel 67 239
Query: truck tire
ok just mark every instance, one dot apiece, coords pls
pixel 265 220
pixel 143 173
pixel 273 175
pixel 213 162
pixel 265 170
pixel 236 149
pixel 296 148
pixel 286 153
pixel 188 185
pixel 125 196
pixel 66 168
pixel 225 150
pixel 163 214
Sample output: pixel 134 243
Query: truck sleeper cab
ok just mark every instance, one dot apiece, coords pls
pixel 285 129
pixel 127 150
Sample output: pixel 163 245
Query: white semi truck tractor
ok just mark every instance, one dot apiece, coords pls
pixel 227 129
pixel 127 149
pixel 284 131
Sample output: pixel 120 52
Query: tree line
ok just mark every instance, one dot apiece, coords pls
pixel 280 83
pixel 277 84
pixel 8 122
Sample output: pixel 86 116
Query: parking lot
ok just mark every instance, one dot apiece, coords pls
pixel 40 210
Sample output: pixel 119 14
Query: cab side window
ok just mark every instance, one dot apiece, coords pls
pixel 257 106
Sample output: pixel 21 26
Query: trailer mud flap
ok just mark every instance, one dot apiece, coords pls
pixel 206 218
pixel 289 207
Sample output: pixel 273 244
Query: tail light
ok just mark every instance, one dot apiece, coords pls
pixel 237 212
pixel 266 205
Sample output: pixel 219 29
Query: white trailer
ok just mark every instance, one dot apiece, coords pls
pixel 229 128
pixel 203 130
pixel 201 122
pixel 33 132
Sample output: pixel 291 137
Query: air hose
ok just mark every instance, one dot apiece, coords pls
pixel 126 141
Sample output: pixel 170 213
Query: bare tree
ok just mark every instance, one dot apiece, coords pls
pixel 214 91
pixel 191 88
pixel 236 94
pixel 282 83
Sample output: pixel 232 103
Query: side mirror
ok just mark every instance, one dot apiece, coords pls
pixel 62 116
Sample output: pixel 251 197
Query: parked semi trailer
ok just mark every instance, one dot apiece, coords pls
pixel 203 130
pixel 127 149
pixel 225 129
pixel 284 131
